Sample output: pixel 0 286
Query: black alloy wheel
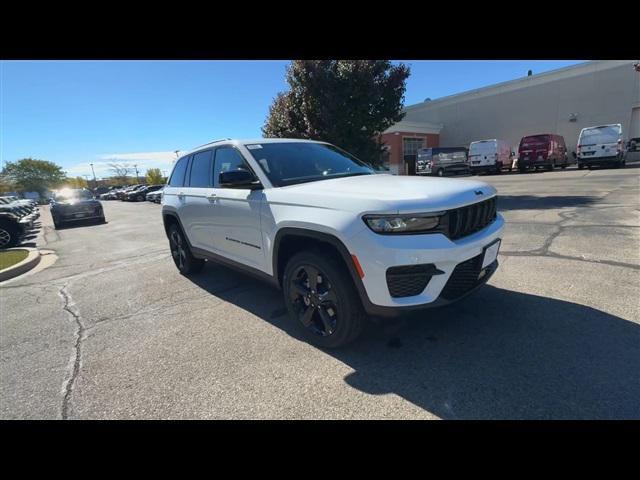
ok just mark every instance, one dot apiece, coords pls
pixel 315 302
pixel 322 299
pixel 8 236
pixel 181 253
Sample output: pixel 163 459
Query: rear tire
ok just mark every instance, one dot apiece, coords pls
pixel 184 260
pixel 327 312
pixel 441 172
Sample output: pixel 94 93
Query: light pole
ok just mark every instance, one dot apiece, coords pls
pixel 95 182
pixel 137 179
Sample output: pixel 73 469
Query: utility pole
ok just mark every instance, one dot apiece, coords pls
pixel 95 182
pixel 137 179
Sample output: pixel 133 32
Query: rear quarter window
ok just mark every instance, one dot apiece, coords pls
pixel 177 176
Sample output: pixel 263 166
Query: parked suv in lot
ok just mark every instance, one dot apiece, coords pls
pixel 72 205
pixel 340 240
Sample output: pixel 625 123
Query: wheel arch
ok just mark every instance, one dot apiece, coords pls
pixel 290 240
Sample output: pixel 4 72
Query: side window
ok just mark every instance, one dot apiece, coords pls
pixel 201 170
pixel 226 159
pixel 177 177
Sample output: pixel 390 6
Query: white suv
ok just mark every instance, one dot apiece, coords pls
pixel 340 240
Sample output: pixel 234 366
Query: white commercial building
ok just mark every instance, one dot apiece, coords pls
pixel 561 102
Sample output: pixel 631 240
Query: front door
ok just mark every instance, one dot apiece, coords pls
pixel 236 214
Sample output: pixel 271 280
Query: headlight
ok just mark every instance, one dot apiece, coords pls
pixel 416 223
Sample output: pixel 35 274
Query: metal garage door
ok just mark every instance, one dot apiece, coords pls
pixel 634 131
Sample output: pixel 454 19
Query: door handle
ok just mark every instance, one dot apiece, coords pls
pixel 211 197
pixel 181 194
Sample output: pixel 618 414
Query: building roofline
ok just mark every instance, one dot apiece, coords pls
pixel 522 82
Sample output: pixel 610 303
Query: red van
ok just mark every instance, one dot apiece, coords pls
pixel 542 151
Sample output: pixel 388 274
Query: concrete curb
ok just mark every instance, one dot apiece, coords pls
pixel 33 259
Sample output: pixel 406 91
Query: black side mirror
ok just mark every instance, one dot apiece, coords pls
pixel 239 179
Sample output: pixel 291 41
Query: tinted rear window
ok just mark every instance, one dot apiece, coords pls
pixel 201 172
pixel 604 134
pixel 177 177
pixel 534 140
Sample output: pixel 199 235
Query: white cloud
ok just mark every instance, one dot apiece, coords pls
pixel 144 160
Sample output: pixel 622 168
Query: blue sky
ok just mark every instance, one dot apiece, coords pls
pixel 80 112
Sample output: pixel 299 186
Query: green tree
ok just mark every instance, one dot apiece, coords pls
pixel 77 182
pixel 345 102
pixel 154 176
pixel 31 175
pixel 6 185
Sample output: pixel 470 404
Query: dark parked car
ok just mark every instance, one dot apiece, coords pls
pixel 546 151
pixel 121 194
pixel 16 217
pixel 75 205
pixel 140 194
pixel 442 161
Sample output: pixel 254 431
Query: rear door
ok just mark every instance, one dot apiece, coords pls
pixel 483 153
pixel 533 147
pixel 174 192
pixel 196 208
pixel 598 142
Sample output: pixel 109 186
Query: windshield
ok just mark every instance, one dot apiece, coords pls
pixel 67 195
pixel 605 134
pixel 289 163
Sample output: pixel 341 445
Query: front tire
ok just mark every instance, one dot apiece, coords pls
pixel 184 260
pixel 441 172
pixel 9 235
pixel 322 300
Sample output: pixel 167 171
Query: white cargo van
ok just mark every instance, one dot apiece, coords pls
pixel 489 156
pixel 601 145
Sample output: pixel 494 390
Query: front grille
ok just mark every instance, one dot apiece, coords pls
pixel 470 219
pixel 465 278
pixel 409 280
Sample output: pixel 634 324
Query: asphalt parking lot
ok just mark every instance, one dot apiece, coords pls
pixel 111 330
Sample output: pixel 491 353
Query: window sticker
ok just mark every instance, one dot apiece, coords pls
pixel 254 147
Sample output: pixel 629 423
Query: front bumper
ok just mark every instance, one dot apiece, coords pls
pixel 377 253
pixel 73 216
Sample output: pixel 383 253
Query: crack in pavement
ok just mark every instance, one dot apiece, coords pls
pixel 76 357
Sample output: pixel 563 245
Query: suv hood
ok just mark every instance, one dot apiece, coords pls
pixel 384 193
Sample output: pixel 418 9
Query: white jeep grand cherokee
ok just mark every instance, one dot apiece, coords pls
pixel 340 240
